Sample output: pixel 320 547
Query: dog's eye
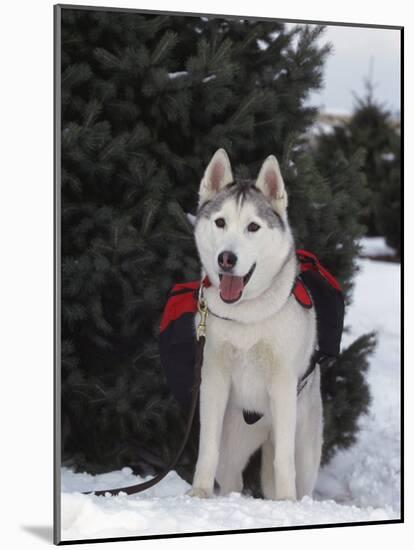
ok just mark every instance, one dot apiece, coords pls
pixel 220 222
pixel 253 227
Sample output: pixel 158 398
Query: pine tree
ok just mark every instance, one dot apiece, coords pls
pixel 146 100
pixel 371 130
pixel 388 208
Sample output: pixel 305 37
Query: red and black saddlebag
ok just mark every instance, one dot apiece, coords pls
pixel 314 287
pixel 328 301
pixel 177 340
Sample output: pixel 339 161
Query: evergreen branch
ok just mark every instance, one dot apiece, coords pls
pixel 167 42
pixel 74 75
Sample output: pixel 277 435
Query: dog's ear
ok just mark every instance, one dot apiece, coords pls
pixel 271 184
pixel 217 175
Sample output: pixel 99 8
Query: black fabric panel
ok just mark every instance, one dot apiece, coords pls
pixel 329 306
pixel 177 351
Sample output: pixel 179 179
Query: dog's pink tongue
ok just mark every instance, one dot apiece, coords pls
pixel 231 287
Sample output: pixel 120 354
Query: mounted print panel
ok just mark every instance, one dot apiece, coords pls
pixel 228 231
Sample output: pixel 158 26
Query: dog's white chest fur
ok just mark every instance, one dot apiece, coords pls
pixel 254 353
pixel 250 377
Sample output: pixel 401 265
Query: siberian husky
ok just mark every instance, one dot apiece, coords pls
pixel 259 339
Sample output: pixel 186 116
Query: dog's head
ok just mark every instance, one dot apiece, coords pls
pixel 241 230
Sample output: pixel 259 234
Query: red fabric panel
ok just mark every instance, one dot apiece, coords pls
pixel 302 295
pixel 310 261
pixel 180 304
pixel 329 277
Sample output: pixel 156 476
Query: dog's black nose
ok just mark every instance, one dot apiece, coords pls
pixel 227 260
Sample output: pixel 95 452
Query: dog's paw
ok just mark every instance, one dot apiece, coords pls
pixel 285 490
pixel 268 493
pixel 286 497
pixel 199 492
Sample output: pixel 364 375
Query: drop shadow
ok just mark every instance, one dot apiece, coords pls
pixel 44 532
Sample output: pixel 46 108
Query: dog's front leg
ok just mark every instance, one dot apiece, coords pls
pixel 283 401
pixel 214 393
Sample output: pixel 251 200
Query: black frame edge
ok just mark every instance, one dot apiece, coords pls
pixel 57 8
pixel 232 532
pixel 228 16
pixel 56 274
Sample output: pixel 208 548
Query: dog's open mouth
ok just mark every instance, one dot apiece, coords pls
pixel 232 286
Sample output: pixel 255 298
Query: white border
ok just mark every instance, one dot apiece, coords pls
pixel 26 205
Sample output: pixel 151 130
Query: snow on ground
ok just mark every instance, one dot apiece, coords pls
pixel 167 509
pixel 375 246
pixel 360 484
pixel 369 472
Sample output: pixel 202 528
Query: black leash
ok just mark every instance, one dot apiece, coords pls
pixel 151 482
pixel 201 340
